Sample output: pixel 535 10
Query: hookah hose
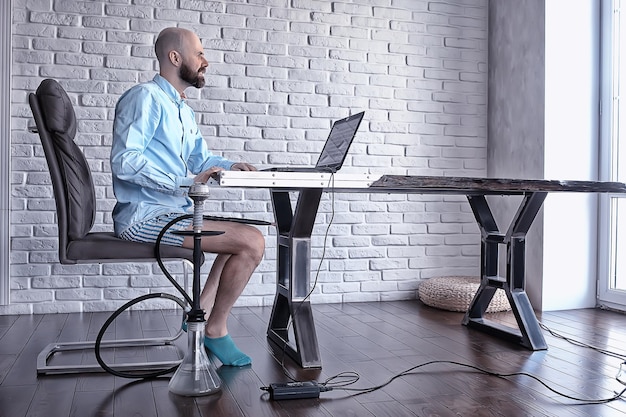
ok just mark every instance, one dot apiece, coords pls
pixel 183 304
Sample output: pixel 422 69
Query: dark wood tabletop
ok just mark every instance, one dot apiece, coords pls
pixel 469 185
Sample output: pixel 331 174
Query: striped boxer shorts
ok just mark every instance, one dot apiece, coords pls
pixel 148 231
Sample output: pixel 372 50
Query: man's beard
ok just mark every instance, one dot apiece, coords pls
pixel 190 76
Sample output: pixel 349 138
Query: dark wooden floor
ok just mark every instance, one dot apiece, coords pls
pixel 377 340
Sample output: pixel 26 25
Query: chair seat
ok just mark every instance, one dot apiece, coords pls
pixel 98 247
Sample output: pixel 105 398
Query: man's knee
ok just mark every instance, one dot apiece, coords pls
pixel 256 244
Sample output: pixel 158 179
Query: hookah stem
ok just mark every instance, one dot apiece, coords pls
pixel 197 255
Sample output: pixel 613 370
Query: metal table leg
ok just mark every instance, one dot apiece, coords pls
pixel 293 277
pixel 529 333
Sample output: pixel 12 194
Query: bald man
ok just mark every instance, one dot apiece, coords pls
pixel 158 152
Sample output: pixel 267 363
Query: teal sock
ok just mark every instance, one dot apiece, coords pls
pixel 226 351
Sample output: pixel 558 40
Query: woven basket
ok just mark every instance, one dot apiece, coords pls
pixel 456 293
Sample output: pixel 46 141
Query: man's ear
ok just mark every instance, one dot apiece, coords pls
pixel 175 58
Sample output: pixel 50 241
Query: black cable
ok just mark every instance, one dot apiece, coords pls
pixel 342 379
pixel 360 391
pixel 496 374
pixel 352 377
pixel 581 344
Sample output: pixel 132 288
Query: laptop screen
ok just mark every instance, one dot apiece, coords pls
pixel 338 142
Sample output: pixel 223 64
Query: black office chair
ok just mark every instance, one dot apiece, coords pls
pixel 75 198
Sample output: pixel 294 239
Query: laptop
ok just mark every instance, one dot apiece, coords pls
pixel 335 149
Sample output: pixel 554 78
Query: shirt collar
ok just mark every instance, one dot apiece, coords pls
pixel 169 89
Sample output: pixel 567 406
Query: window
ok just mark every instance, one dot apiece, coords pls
pixel 612 255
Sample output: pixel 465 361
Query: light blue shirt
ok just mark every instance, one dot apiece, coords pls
pixel 156 144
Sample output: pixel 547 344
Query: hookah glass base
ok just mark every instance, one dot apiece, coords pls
pixel 196 375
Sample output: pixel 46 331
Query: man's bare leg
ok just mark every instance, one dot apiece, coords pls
pixel 240 250
pixel 207 296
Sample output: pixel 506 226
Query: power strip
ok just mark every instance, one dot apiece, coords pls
pixel 295 390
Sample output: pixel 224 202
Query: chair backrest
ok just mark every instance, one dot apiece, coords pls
pixel 72 183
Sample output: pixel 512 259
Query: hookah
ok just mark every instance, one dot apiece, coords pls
pixel 196 374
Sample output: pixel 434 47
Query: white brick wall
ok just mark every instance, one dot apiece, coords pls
pixel 281 71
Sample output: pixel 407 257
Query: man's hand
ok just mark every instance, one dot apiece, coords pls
pixel 242 166
pixel 204 176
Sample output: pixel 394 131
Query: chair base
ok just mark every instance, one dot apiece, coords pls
pixel 44 368
pixel 44 357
